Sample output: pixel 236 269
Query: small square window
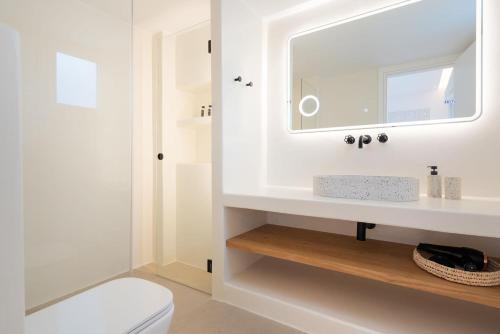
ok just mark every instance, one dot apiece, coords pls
pixel 76 81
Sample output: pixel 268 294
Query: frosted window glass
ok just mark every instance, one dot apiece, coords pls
pixel 76 81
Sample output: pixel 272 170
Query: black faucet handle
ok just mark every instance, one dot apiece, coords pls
pixel 383 138
pixel 349 139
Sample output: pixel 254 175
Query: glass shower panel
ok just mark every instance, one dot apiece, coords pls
pixel 76 110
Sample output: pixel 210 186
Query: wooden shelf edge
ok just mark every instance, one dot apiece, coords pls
pixel 382 261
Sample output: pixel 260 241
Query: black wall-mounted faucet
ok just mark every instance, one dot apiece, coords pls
pixel 364 140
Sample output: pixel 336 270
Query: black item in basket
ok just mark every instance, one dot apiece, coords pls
pixel 465 258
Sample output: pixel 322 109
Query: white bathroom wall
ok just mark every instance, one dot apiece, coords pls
pixel 458 149
pixel 77 160
pixel 238 136
pixel 142 210
pixel 11 221
pixel 242 107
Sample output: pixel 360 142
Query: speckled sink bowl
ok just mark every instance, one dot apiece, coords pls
pixel 374 188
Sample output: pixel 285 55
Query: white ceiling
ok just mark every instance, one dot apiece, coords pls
pixel 117 8
pixel 170 16
pixel 267 8
pixel 174 15
pixel 423 30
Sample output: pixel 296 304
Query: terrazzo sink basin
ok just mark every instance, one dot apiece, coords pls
pixel 374 188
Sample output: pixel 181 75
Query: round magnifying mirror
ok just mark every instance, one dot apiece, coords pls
pixel 309 106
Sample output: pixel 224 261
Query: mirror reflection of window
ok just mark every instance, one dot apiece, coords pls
pixel 420 95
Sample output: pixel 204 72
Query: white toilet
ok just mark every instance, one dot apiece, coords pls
pixel 127 305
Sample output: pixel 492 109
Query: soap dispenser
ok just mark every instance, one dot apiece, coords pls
pixel 434 182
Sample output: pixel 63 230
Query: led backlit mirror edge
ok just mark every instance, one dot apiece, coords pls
pixel 479 73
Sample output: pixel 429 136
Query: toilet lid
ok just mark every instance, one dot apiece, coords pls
pixel 117 307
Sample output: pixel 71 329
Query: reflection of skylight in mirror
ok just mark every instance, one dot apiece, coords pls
pixel 76 81
pixel 445 78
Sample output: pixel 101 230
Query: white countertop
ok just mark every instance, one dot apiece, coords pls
pixel 469 216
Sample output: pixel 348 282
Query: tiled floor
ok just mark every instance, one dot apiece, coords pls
pixel 197 313
pixel 186 275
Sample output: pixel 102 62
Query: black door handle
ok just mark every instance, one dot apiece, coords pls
pixel 160 156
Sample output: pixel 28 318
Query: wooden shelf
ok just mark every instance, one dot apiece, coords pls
pixel 382 261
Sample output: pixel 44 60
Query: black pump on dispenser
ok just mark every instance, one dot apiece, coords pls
pixel 434 170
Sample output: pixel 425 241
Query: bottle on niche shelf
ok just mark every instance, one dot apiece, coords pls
pixel 202 111
pixel 209 110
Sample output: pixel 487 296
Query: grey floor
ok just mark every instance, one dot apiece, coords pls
pixel 197 313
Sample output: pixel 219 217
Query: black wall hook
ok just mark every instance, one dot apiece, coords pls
pixel 250 84
pixel 238 79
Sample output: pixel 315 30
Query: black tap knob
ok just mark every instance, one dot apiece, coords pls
pixel 349 139
pixel 383 138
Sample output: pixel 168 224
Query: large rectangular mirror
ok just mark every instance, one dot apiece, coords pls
pixel 416 62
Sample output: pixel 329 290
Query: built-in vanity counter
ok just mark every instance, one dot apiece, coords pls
pixel 282 256
pixel 469 216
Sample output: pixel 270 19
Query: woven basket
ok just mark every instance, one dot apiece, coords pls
pixel 489 277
